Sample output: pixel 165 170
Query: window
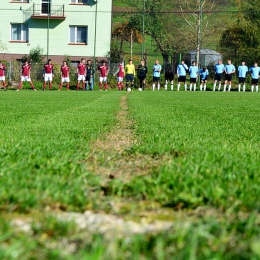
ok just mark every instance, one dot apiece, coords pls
pixel 19 32
pixel 78 34
pixel 79 2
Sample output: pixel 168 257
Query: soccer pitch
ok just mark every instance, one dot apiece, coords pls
pixel 180 170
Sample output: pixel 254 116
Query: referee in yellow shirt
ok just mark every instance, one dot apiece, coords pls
pixel 130 74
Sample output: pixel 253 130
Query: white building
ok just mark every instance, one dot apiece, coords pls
pixel 60 27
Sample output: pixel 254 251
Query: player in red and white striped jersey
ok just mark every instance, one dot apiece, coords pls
pixel 103 72
pixel 48 74
pixel 26 75
pixel 120 76
pixel 81 70
pixel 65 75
pixel 2 74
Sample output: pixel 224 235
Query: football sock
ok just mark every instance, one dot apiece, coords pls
pixel 229 87
pixel 200 87
pixel 158 87
pixel 132 85
pixel 256 88
pixel 178 87
pixel 185 87
pixel 190 87
pixel 219 86
pixel 68 86
pixel 153 87
pixel 171 86
pixel 20 85
pixel 225 86
pixel 50 85
pixel 239 86
pixel 106 86
pixel 252 88
pixel 214 87
pixel 205 86
pixel 194 87
pixel 244 88
pixel 100 85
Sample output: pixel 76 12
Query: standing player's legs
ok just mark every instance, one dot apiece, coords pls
pixel 156 81
pixel 240 82
pixel 100 83
pixel 81 78
pixel 2 79
pixel 65 80
pixel 182 79
pixel 129 79
pixel 254 85
pixel 87 82
pixel 105 83
pixel 120 84
pixel 205 85
pixel 201 84
pixel 24 79
pixel 193 81
pixel 47 77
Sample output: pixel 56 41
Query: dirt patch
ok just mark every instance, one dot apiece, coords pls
pixel 111 155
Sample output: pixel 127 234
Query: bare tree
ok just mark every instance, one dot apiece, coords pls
pixel 200 21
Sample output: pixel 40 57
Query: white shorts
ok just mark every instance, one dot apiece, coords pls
pixel 48 77
pixel 120 79
pixel 101 79
pixel 2 78
pixel 25 78
pixel 65 79
pixel 81 77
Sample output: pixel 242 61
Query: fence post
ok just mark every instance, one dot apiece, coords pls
pixel 10 71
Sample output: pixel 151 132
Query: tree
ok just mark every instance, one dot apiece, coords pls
pixel 242 39
pixel 199 21
pixel 176 26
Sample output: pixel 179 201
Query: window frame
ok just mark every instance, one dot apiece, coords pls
pixel 19 1
pixel 76 34
pixel 23 27
pixel 76 2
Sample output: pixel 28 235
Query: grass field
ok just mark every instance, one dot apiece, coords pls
pixel 146 159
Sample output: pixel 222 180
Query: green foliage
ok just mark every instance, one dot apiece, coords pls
pixel 241 40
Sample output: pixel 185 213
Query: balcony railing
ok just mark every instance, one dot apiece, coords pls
pixel 19 1
pixel 45 10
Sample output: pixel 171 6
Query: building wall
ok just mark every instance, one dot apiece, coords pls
pixel 76 15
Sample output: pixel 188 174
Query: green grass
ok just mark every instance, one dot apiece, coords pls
pixel 205 146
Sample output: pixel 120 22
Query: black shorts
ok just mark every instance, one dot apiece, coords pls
pixel 169 76
pixel 228 77
pixel 204 80
pixel 156 79
pixel 129 77
pixel 254 81
pixel 142 78
pixel 241 80
pixel 193 80
pixel 87 77
pixel 218 76
pixel 182 79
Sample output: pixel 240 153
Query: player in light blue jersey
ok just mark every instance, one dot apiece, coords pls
pixel 193 75
pixel 255 72
pixel 242 71
pixel 229 70
pixel 156 74
pixel 181 73
pixel 219 69
pixel 203 78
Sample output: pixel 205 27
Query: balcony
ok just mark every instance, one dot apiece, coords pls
pixel 47 11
